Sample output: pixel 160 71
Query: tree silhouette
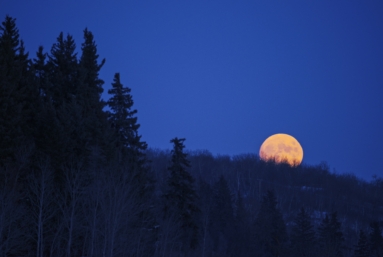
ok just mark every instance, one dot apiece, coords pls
pixel 122 117
pixel 64 70
pixel 123 121
pixel 270 228
pixel 331 236
pixel 18 92
pixel 89 91
pixel 362 249
pixel 303 236
pixel 180 198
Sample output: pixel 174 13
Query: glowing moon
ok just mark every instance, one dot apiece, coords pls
pixel 282 148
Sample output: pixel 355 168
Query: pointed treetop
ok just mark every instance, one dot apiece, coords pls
pixel 88 62
pixel 63 52
pixel 89 49
pixel 122 117
pixel 39 61
pixel 9 38
pixel 178 156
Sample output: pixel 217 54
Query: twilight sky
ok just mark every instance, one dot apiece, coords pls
pixel 227 74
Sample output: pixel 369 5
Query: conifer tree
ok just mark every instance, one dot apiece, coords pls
pixel 91 68
pixel 362 249
pixel 64 71
pixel 122 117
pixel 9 48
pixel 89 94
pixel 123 120
pixel 46 134
pixel 41 72
pixel 18 96
pixel 65 82
pixel 9 106
pixel 331 236
pixel 270 228
pixel 180 198
pixel 303 236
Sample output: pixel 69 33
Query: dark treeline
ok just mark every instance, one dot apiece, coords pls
pixel 77 180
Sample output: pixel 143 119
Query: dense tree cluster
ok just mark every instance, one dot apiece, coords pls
pixel 77 180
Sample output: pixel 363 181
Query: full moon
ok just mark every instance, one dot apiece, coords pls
pixel 282 148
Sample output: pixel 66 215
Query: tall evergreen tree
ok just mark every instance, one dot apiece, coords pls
pixel 270 228
pixel 9 48
pixel 180 198
pixel 64 70
pixel 362 249
pixel 124 122
pixel 122 118
pixel 65 82
pixel 89 94
pixel 18 96
pixel 331 236
pixel 91 68
pixel 303 236
pixel 10 108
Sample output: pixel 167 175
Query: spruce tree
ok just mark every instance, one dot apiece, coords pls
pixel 64 70
pixel 10 108
pixel 180 198
pixel 9 48
pixel 124 122
pixel 331 236
pixel 65 82
pixel 18 93
pixel 122 118
pixel 270 228
pixel 89 94
pixel 91 68
pixel 303 236
pixel 362 249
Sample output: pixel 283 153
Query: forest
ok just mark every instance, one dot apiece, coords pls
pixel 76 179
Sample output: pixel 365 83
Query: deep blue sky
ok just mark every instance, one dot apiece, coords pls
pixel 227 74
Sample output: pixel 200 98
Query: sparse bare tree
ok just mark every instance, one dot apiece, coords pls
pixel 69 219
pixel 11 221
pixel 41 204
pixel 12 205
pixel 168 243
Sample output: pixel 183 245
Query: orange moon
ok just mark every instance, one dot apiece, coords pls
pixel 282 148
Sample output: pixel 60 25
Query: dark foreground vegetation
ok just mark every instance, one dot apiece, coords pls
pixel 76 180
